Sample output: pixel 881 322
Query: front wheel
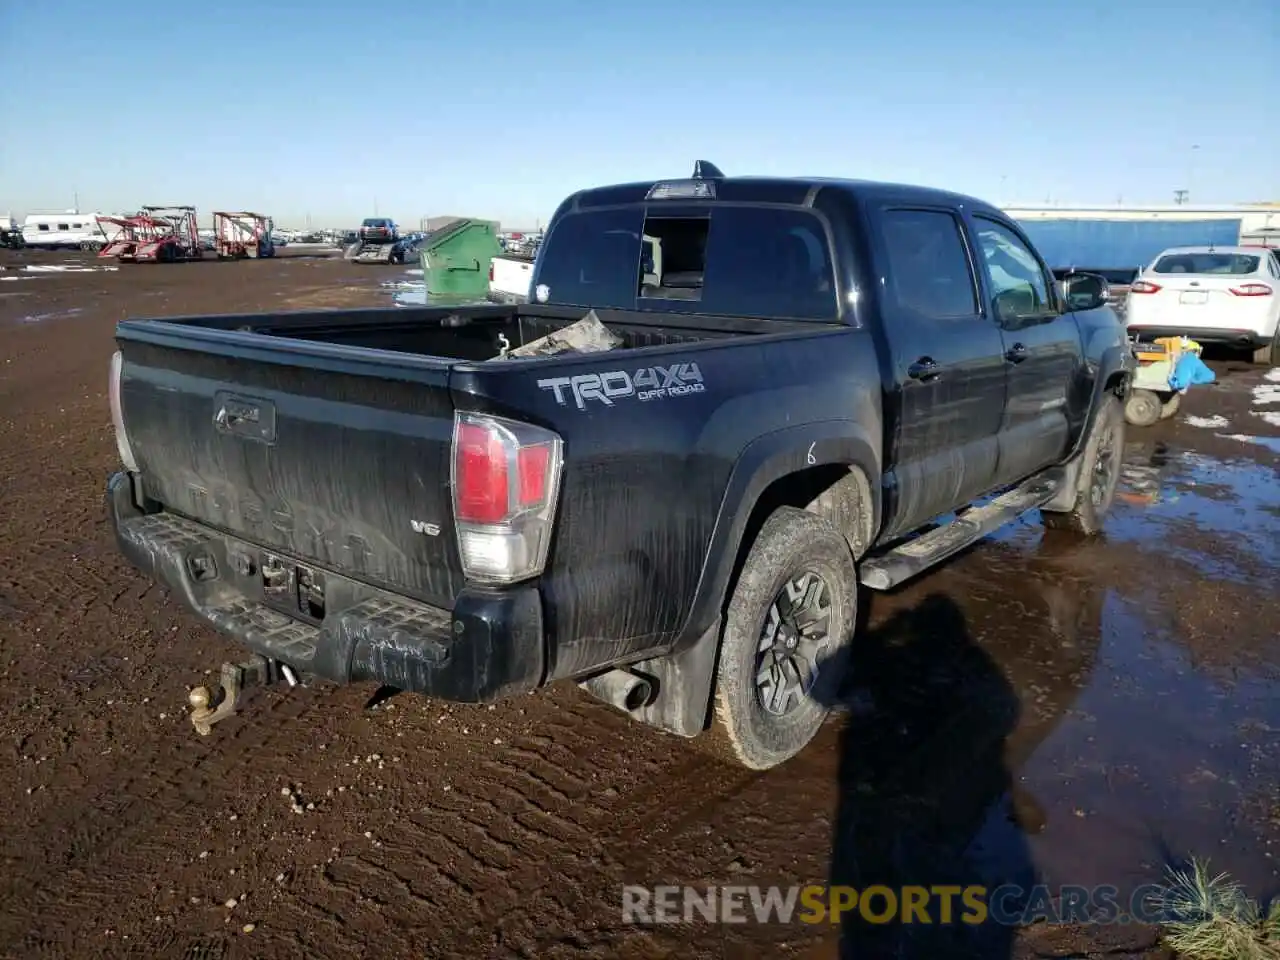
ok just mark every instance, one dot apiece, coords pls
pixel 1099 474
pixel 1171 406
pixel 785 640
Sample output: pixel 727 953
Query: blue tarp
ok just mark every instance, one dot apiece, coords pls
pixel 1188 370
pixel 1121 244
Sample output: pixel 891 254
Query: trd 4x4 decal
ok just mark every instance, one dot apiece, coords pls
pixel 647 383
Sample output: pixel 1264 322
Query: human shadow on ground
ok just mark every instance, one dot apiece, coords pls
pixel 947 698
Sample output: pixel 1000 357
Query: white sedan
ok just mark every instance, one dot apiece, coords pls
pixel 1227 295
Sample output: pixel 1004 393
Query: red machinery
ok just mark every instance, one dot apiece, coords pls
pixel 155 235
pixel 240 235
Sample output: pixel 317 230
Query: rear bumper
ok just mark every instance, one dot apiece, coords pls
pixel 1223 335
pixel 489 646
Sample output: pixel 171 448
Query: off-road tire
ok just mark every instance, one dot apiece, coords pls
pixel 1142 409
pixel 1170 406
pixel 791 542
pixel 1085 516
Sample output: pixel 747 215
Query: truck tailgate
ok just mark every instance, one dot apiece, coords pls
pixel 330 460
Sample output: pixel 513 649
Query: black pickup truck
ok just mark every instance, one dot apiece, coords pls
pixel 813 384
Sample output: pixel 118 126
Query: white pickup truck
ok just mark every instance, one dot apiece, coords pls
pixel 509 276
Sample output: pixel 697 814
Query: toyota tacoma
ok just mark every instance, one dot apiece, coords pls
pixel 790 389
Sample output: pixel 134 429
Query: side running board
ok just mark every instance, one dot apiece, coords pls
pixel 895 566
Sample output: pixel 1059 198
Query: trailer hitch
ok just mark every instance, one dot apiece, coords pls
pixel 211 706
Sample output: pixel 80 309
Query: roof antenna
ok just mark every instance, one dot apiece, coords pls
pixel 706 170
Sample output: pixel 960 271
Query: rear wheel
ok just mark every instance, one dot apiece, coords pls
pixel 1170 406
pixel 1142 409
pixel 785 640
pixel 1099 473
pixel 1269 355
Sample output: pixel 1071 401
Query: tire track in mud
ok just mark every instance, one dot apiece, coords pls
pixel 618 832
pixel 514 818
pixel 84 833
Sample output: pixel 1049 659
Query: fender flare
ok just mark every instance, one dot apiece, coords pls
pixel 766 459
pixel 1115 359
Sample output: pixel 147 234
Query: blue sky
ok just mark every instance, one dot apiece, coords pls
pixel 499 109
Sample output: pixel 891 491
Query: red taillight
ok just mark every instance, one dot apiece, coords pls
pixel 491 271
pixel 506 477
pixel 1145 286
pixel 1252 290
pixel 535 469
pixel 481 486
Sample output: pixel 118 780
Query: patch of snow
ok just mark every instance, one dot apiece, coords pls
pixel 1270 416
pixel 1215 422
pixel 61 268
pixel 1273 375
pixel 42 317
pixel 1266 393
pixel 50 269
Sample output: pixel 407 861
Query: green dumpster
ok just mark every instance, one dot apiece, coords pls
pixel 455 259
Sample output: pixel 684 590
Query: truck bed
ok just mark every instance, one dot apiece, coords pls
pixel 469 333
pixel 326 435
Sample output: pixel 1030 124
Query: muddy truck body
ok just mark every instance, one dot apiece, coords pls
pixel 799 388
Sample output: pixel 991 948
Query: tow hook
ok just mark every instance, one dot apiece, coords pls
pixel 211 706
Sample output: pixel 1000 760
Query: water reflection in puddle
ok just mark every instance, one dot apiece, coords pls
pixel 1177 499
pixel 409 291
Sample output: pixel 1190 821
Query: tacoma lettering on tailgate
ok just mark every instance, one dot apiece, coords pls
pixel 647 383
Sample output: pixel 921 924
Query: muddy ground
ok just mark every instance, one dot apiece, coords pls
pixel 1082 713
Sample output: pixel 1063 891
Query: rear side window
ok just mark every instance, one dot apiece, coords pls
pixel 593 258
pixel 929 268
pixel 1226 264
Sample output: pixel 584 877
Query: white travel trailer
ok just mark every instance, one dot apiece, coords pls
pixel 60 230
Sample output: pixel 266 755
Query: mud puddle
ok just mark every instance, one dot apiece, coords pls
pixel 1047 710
pixel 1041 712
pixel 410 290
pixel 1219 513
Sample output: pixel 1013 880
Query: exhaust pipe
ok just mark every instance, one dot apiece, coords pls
pixel 623 689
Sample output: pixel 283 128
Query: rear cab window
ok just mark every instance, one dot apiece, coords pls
pixel 1208 264
pixel 725 259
